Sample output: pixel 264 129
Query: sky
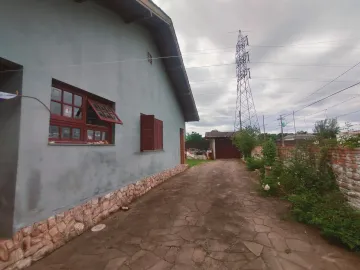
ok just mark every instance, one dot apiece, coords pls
pixel 296 47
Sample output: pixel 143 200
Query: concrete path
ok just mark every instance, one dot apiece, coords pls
pixel 209 217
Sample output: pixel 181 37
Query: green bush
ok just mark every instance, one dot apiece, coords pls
pixel 308 182
pixel 269 152
pixel 350 141
pixel 245 140
pixel 331 214
pixel 253 163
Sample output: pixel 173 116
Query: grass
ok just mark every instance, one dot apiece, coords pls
pixel 195 162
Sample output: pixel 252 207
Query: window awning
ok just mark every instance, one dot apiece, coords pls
pixel 105 112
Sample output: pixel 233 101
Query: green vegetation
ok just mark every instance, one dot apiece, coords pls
pixel 308 182
pixel 246 140
pixel 195 162
pixel 194 136
pixel 253 164
pixel 269 152
pixel 327 129
pixel 306 179
pixel 351 142
pixel 197 141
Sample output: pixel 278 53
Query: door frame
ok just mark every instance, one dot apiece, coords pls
pixel 182 146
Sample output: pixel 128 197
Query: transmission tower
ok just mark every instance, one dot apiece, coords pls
pixel 245 114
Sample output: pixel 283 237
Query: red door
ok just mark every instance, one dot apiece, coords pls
pixel 224 149
pixel 182 146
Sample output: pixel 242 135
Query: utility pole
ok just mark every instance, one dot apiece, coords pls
pixel 294 126
pixel 264 126
pixel 282 130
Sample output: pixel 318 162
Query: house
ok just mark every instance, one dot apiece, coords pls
pixel 221 145
pixel 292 139
pixel 101 97
pixel 300 137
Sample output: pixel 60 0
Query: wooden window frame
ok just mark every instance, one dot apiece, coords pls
pixel 151 133
pixel 61 121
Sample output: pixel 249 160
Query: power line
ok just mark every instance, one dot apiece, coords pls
pixel 346 114
pixel 268 78
pixel 332 80
pixel 347 100
pixel 270 63
pixel 315 102
pixel 196 52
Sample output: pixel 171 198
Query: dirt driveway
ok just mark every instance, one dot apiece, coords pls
pixel 209 217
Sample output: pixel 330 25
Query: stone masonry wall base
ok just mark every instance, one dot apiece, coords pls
pixel 33 243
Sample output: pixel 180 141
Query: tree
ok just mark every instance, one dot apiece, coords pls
pixel 301 132
pixel 246 140
pixel 194 137
pixel 327 129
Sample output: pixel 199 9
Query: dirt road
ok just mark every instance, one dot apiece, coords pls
pixel 209 217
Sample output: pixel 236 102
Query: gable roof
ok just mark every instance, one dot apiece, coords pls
pixel 160 25
pixel 219 134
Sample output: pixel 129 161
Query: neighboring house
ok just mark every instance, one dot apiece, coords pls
pixel 300 137
pixel 292 139
pixel 221 145
pixel 112 75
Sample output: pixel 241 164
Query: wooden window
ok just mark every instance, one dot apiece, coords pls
pixel 105 112
pixel 151 137
pixel 80 117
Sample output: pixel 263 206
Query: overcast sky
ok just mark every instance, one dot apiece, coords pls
pixel 304 45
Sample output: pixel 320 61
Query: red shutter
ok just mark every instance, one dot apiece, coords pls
pixel 161 135
pixel 147 132
pixel 158 134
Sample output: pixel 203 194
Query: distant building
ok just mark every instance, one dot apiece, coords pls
pixel 221 144
pixel 293 137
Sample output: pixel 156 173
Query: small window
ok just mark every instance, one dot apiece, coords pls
pixel 80 117
pixel 151 133
pixel 150 59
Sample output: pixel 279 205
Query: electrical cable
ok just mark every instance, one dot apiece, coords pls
pixel 265 78
pixel 331 81
pixel 317 101
pixel 346 114
pixel 347 100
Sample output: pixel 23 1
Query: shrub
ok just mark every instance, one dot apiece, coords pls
pixel 246 140
pixel 269 152
pixel 331 214
pixel 253 163
pixel 350 141
pixel 308 182
pixel 327 129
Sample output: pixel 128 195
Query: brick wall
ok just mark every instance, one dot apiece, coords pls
pixel 257 152
pixel 346 166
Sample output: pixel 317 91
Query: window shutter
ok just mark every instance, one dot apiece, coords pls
pixel 158 134
pixel 147 132
pixel 161 135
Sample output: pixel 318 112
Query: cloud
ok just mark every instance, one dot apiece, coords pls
pixel 285 37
